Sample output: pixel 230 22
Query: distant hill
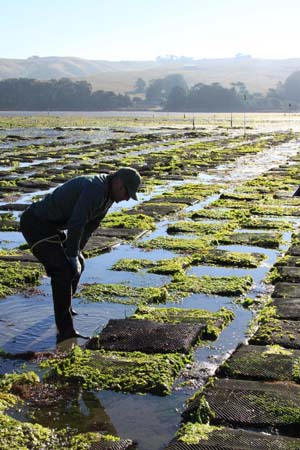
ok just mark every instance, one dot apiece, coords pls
pixel 120 76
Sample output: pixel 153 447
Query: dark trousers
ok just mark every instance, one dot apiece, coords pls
pixel 53 257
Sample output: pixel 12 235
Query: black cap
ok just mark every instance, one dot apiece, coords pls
pixel 131 179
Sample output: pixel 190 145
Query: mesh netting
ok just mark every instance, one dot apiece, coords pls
pixel 292 261
pixel 114 445
pixel 100 244
pixel 286 290
pixel 289 274
pixel 21 258
pixel 288 308
pixel 260 362
pixel 250 403
pixel 147 336
pixel 169 199
pixel 294 250
pixel 159 209
pixel 230 439
pixel 282 332
pixel 122 233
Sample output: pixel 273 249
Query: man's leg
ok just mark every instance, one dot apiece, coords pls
pixel 53 257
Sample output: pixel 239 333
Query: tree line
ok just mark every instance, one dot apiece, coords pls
pixel 173 94
pixel 170 93
pixel 26 94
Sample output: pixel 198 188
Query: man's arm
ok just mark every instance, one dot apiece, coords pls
pixel 88 201
pixel 89 229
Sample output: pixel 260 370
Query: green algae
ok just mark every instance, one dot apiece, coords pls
pixel 203 414
pixel 200 228
pixel 220 214
pixel 237 196
pixel 231 204
pixel 34 435
pixel 163 267
pixel 215 322
pixel 257 223
pixel 276 349
pixel 267 313
pixel 27 436
pixel 269 210
pixel 122 220
pixel 296 370
pixel 15 434
pixel 267 322
pixel 176 244
pixel 119 371
pixel 264 240
pixel 295 239
pixel 227 258
pixel 15 276
pixel 132 265
pixel 181 315
pixel 171 266
pixel 14 251
pixel 7 401
pixel 287 411
pixel 8 222
pixel 8 184
pixel 273 276
pixel 9 379
pixel 196 190
pixel 120 293
pixel 245 302
pixel 158 210
pixel 193 433
pixel 268 185
pixel 272 363
pixel 226 286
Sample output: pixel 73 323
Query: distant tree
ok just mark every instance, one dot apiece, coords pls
pixel 176 100
pixel 108 100
pixel 273 100
pixel 140 86
pixel 240 89
pixel 159 89
pixel 290 89
pixel 137 100
pixel 155 93
pixel 213 97
pixel 63 94
pixel 174 80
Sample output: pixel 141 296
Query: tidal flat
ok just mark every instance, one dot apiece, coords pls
pixel 214 215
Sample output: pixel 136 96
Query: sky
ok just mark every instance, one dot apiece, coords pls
pixel 124 30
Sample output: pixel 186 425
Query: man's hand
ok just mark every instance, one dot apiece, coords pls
pixel 76 266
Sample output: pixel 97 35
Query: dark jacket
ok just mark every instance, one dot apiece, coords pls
pixel 77 206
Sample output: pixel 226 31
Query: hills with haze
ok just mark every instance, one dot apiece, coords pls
pixel 259 75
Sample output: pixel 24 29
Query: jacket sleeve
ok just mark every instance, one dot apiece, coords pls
pixel 89 229
pixel 83 211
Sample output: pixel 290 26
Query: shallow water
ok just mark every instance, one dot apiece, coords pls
pixel 27 322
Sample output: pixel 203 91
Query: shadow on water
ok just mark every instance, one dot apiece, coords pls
pixel 77 409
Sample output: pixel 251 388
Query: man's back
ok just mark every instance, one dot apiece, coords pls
pixel 77 199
